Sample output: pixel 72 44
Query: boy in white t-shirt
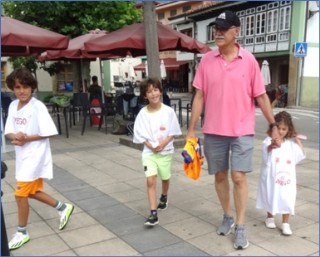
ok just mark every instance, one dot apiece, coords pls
pixel 29 126
pixel 155 127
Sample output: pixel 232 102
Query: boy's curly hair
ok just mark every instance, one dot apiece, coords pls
pixel 285 117
pixel 145 84
pixel 24 76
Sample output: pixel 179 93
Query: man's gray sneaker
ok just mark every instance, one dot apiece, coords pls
pixel 225 228
pixel 240 241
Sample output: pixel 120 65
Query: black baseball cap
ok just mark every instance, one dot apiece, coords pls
pixel 227 19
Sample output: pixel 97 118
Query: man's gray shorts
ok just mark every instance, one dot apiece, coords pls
pixel 221 150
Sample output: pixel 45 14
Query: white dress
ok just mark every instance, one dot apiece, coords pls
pixel 154 127
pixel 277 186
pixel 33 159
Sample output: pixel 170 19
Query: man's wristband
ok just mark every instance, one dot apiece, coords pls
pixel 274 124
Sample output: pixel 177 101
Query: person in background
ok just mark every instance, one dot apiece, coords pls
pixel 277 98
pixel 155 127
pixel 285 94
pixel 277 188
pixel 29 127
pixel 227 82
pixel 271 92
pixel 95 89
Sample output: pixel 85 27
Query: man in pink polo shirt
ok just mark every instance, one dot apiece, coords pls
pixel 227 82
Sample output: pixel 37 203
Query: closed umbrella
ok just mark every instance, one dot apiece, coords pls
pixel 146 68
pixel 122 73
pixel 131 72
pixel 163 72
pixel 22 39
pixel 265 71
pixel 131 40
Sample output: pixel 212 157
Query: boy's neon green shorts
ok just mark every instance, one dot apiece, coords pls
pixel 157 164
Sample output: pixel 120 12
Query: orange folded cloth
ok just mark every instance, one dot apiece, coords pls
pixel 193 158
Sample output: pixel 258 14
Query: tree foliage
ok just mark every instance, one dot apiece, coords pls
pixel 74 18
pixel 28 62
pixel 70 18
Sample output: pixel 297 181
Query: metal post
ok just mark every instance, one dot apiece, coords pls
pixel 299 80
pixel 104 110
pixel 151 36
pixel 82 78
pixel 101 78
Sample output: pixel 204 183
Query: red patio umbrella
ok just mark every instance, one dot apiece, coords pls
pixel 76 49
pixel 22 39
pixel 131 40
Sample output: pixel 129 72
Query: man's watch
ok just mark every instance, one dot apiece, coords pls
pixel 274 124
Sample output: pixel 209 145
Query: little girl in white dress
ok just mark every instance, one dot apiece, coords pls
pixel 277 186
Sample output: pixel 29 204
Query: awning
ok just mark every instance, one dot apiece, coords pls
pixel 169 63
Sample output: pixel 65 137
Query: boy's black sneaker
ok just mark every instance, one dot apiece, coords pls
pixel 152 220
pixel 163 203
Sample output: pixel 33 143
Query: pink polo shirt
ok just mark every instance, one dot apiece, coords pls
pixel 229 91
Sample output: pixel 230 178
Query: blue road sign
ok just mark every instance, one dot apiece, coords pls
pixel 300 49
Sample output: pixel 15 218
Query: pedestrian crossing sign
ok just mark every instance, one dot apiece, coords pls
pixel 300 49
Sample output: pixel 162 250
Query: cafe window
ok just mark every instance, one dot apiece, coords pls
pixel 242 26
pixel 65 78
pixel 249 26
pixel 173 12
pixel 210 36
pixel 272 21
pixel 160 16
pixel 187 32
pixel 260 23
pixel 186 8
pixel 284 18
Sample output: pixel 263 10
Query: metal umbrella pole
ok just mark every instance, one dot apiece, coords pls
pixel 101 78
pixel 102 93
pixel 82 79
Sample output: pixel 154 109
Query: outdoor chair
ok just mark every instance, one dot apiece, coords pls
pixel 59 110
pixel 77 104
pixel 89 111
